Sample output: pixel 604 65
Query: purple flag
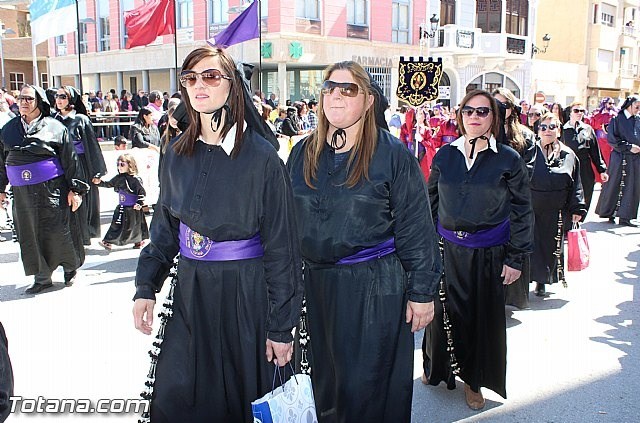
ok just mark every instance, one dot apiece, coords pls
pixel 244 27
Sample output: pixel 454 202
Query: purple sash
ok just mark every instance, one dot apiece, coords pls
pixel 79 146
pixel 383 249
pixel 198 247
pixel 34 173
pixel 126 199
pixel 448 138
pixel 600 134
pixel 484 238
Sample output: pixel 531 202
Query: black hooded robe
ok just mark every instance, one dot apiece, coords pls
pixel 46 228
pixel 92 165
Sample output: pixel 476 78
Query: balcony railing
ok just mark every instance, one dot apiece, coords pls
pixel 460 39
pixel 629 31
pixel 629 72
pixel 61 49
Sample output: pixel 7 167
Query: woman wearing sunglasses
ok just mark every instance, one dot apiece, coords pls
pixel 38 159
pixel 481 203
pixel 73 114
pixel 556 191
pixel 621 195
pixel 226 207
pixel 581 138
pixel 521 139
pixel 370 254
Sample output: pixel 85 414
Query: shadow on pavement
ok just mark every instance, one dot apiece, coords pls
pixel 116 266
pixel 13 293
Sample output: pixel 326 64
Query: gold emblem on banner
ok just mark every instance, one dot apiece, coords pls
pixel 418 80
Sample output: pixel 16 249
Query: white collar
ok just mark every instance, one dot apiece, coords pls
pixel 459 144
pixel 229 141
pixel 627 114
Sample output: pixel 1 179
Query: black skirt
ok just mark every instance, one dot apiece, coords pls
pixel 127 227
pixel 360 348
pixel 213 358
pixel 475 305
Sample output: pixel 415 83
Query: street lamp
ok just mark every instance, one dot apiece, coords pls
pixel 425 34
pixel 4 32
pixel 545 44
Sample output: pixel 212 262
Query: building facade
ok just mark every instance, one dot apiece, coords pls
pixel 16 51
pixel 594 53
pixel 483 43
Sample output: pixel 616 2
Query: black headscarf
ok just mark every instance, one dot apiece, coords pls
pixel 628 102
pixel 381 103
pixel 42 100
pixel 76 100
pixel 251 115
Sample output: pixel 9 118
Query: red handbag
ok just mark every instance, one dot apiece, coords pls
pixel 578 246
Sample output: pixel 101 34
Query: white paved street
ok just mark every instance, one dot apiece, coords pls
pixel 572 357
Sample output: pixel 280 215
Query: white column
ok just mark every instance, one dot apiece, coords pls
pixel 145 81
pixel 119 82
pixel 283 85
pixel 96 82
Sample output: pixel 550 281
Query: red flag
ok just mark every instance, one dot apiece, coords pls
pixel 147 22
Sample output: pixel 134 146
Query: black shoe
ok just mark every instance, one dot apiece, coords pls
pixel 612 220
pixel 627 222
pixel 540 290
pixel 36 288
pixel 70 277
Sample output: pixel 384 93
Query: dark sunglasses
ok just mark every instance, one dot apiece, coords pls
pixel 551 127
pixel 482 112
pixel 532 114
pixel 61 96
pixel 611 104
pixel 503 104
pixel 347 89
pixel 578 110
pixel 209 77
pixel 26 98
pixel 122 164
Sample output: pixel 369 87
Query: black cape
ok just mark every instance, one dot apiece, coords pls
pixel 48 232
pixel 91 165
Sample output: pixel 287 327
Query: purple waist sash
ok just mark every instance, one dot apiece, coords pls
pixel 449 138
pixel 79 146
pixel 196 246
pixel 126 199
pixel 34 173
pixel 383 249
pixel 484 238
pixel 601 134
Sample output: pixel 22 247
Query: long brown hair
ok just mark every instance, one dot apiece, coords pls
pixel 513 126
pixel 366 141
pixel 185 145
pixel 495 123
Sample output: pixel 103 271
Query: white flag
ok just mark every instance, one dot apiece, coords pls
pixel 50 18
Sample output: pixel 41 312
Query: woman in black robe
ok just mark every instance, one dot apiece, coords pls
pixel 556 191
pixel 38 159
pixel 581 138
pixel 226 207
pixel 480 198
pixel 621 195
pixel 73 115
pixel 521 139
pixel 370 254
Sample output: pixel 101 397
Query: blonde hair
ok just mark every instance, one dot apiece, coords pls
pixel 366 140
pixel 131 161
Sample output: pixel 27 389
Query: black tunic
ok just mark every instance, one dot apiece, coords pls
pixel 517 294
pixel 622 135
pixel 48 232
pixel 555 189
pixel 128 225
pixel 583 141
pixel 496 188
pixel 360 346
pixel 213 363
pixel 92 165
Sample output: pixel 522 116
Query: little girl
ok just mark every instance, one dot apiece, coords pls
pixel 128 224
